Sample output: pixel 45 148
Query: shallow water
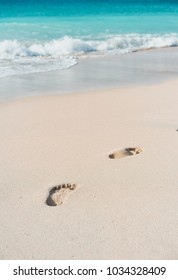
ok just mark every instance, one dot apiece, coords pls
pixel 43 35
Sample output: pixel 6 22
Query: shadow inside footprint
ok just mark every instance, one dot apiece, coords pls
pixel 126 152
pixel 58 194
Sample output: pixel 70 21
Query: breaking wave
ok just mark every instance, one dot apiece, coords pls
pixel 17 57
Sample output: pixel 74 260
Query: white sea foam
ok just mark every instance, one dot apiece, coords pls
pixel 21 57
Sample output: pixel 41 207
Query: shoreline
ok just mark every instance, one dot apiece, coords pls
pixel 125 208
pixel 90 74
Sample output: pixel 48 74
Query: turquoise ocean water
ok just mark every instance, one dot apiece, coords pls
pixel 44 35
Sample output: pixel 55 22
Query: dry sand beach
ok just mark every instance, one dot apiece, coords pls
pixel 122 206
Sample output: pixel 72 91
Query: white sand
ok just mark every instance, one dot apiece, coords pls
pixel 125 208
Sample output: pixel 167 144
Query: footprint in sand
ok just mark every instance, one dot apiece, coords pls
pixel 58 194
pixel 126 152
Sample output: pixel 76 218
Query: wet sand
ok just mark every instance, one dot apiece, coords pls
pixel 96 73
